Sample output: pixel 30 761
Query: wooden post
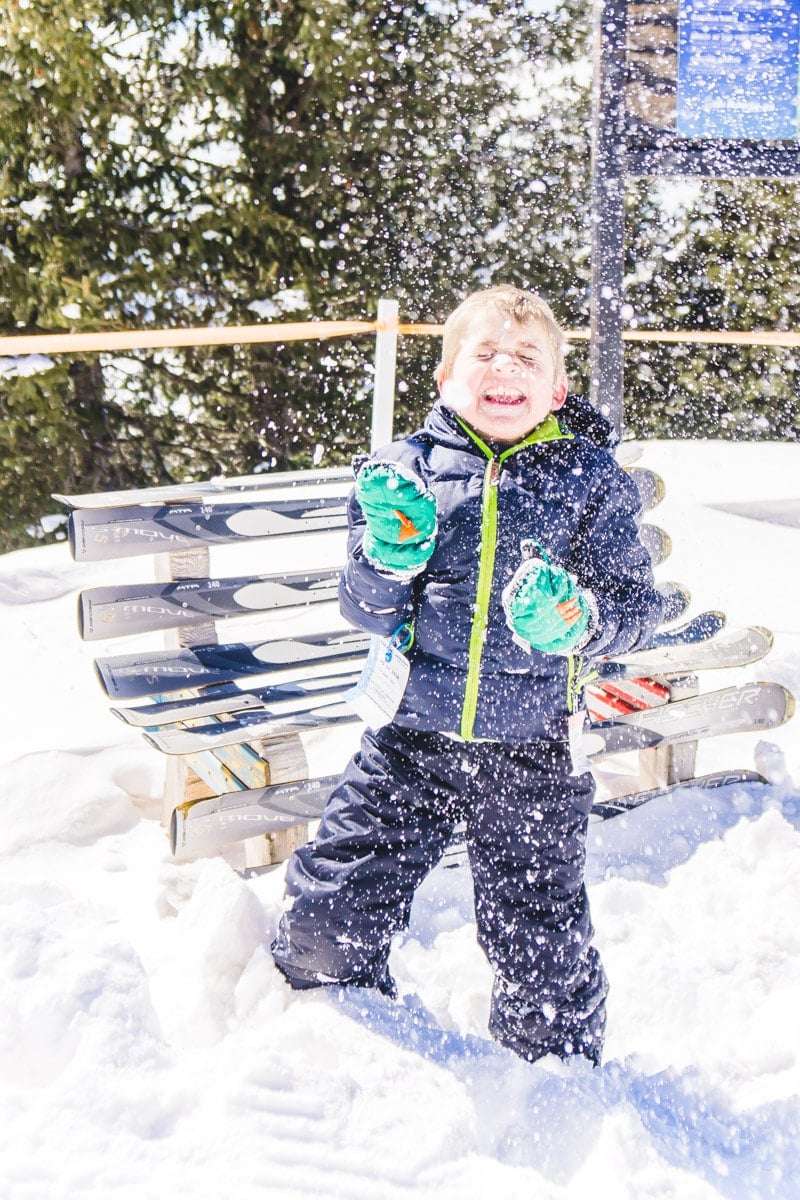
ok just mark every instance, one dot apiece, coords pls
pixel 385 368
pixel 182 564
pixel 670 764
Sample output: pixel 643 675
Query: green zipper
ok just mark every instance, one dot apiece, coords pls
pixel 549 430
pixel 480 620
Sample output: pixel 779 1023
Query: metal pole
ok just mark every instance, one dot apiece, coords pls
pixel 385 364
pixel 608 209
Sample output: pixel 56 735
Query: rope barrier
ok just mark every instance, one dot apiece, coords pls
pixel 149 339
pixel 719 337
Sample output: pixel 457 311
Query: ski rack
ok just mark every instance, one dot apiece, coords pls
pixel 115 523
pixel 200 776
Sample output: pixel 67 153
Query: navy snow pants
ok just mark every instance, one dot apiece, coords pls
pixel 386 825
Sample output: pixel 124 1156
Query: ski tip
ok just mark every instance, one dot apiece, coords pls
pixel 650 486
pixel 677 597
pixel 656 542
pixel 93 623
pixel 84 616
pixel 627 453
pixel 128 716
pixel 105 678
pixel 704 626
pixel 177 822
pixel 788 698
pixel 766 634
pixel 72 536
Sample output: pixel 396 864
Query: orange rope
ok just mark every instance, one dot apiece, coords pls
pixel 130 339
pixel 718 337
pixel 75 343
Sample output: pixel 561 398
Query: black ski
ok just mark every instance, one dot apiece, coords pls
pixel 229 698
pixel 657 542
pixel 698 629
pixel 106 612
pixel 122 530
pixel 131 676
pixel 96 534
pixel 265 724
pixel 200 666
pixel 151 673
pixel 606 809
pixel 649 485
pixel 206 826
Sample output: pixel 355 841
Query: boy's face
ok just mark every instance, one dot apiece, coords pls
pixel 503 380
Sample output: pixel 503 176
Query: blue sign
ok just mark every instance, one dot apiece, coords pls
pixel 738 68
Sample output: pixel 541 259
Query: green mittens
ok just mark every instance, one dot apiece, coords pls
pixel 545 609
pixel 401 518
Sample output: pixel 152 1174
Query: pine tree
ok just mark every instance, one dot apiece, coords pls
pixel 188 163
pixel 724 259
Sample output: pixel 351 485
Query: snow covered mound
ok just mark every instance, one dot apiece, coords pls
pixel 148 1046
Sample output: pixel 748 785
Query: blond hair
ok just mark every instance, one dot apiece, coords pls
pixel 511 302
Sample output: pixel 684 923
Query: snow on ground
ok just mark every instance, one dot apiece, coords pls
pixel 149 1047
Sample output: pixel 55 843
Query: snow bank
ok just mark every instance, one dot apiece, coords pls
pixel 148 1045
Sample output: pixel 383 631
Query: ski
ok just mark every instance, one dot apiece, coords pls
pixel 627 453
pixel 222 486
pixel 729 648
pixel 293 713
pixel 154 672
pixel 305 660
pixel 744 709
pixel 265 724
pixel 699 629
pixel 656 542
pixel 105 612
pixel 228 698
pixel 637 681
pixel 649 485
pixel 97 534
pixel 629 683
pixel 132 676
pixel 233 486
pixel 615 807
pixel 206 826
pixel 100 532
pixel 609 699
pixel 678 600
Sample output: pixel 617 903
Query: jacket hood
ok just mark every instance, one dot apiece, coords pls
pixel 444 426
pixel 577 416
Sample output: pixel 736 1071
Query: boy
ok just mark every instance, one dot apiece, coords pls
pixel 509 547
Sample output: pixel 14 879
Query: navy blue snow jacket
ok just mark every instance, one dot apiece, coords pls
pixel 469 677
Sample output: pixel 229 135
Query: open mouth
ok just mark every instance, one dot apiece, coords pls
pixel 507 399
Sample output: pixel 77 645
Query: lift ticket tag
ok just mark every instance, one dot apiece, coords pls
pixel 377 695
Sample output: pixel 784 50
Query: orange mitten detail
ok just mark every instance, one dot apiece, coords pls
pixel 407 527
